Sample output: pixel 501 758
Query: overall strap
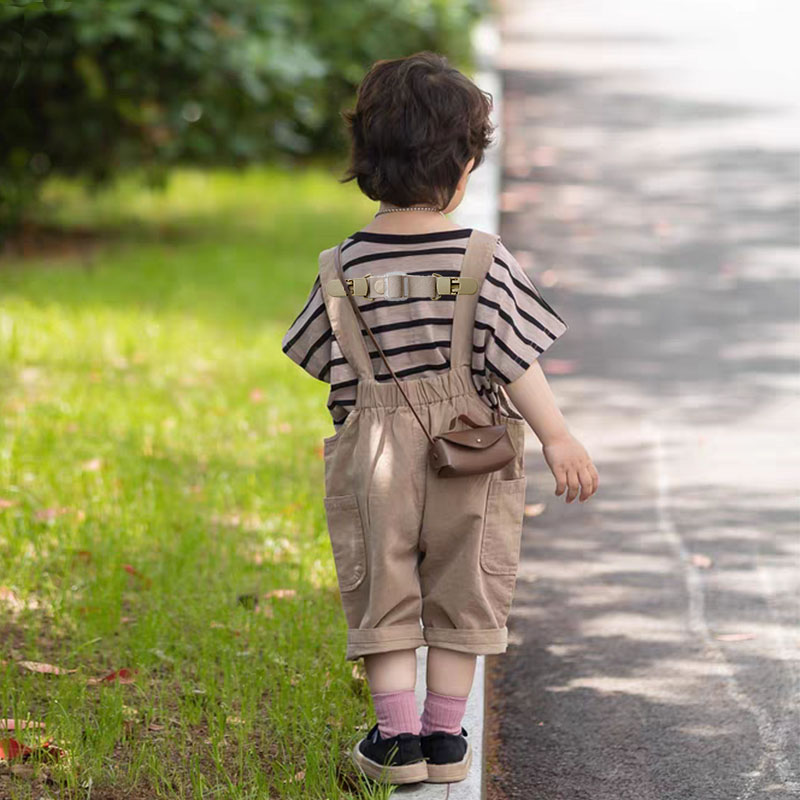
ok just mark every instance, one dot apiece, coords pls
pixel 344 324
pixel 477 260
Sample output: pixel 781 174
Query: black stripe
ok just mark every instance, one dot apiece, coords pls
pixel 413 371
pixel 520 311
pixel 342 402
pixel 336 386
pixel 505 316
pixel 392 351
pixel 410 238
pixel 537 297
pixel 315 346
pixel 401 373
pixel 348 242
pixel 302 330
pixel 314 288
pixel 414 323
pixel 497 371
pixel 484 327
pixel 521 361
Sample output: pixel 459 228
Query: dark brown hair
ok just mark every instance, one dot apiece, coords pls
pixel 416 123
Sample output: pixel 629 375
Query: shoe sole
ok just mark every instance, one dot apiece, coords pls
pixel 450 773
pixel 404 773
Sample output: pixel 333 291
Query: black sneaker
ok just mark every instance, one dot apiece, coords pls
pixel 396 759
pixel 448 755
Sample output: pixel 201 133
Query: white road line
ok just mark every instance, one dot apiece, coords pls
pixel 772 738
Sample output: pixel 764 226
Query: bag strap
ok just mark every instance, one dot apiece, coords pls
pixel 477 260
pixel 350 297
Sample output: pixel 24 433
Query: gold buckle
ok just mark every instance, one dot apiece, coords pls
pixel 351 282
pixel 453 285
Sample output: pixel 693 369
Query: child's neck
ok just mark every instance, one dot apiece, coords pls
pixel 410 222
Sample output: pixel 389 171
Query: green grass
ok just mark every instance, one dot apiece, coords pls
pixel 149 418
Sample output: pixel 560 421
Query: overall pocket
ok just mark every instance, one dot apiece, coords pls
pixel 502 526
pixel 347 540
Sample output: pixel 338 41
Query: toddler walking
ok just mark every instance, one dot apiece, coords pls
pixel 423 559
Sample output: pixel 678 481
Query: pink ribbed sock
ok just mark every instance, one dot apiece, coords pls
pixel 442 712
pixel 396 712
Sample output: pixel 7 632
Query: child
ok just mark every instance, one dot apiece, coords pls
pixel 408 544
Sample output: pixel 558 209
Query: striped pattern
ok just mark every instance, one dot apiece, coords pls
pixel 514 324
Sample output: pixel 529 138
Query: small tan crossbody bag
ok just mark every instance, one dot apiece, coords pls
pixel 479 449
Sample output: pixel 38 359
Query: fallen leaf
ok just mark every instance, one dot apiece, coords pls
pixel 38 666
pixel 281 593
pixel 11 599
pixel 123 675
pixel 155 726
pixel 48 514
pixel 131 570
pixel 11 748
pixel 298 776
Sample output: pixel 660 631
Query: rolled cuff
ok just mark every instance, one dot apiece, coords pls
pixel 478 641
pixel 365 641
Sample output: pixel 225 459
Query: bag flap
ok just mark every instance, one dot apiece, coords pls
pixel 477 438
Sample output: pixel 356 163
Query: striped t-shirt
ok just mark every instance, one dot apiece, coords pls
pixel 514 324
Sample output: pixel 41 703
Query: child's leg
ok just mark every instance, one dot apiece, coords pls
pixel 392 671
pixel 449 671
pixel 392 678
pixel 449 680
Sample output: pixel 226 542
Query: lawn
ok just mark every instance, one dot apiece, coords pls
pixel 161 482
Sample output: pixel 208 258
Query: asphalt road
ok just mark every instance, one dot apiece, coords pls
pixel 651 185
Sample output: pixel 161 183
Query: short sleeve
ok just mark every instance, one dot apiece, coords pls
pixel 308 340
pixel 518 322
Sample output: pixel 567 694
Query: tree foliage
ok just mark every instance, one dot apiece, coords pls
pixel 92 87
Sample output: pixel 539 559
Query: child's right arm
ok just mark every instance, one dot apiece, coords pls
pixel 565 455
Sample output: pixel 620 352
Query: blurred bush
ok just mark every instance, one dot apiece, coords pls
pixel 92 87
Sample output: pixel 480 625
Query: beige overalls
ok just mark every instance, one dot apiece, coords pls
pixel 407 544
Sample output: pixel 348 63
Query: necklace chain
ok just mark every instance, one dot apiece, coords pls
pixel 410 208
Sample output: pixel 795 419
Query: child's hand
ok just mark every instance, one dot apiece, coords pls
pixel 571 466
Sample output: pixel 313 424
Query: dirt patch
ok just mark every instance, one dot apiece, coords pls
pixel 33 240
pixel 494 768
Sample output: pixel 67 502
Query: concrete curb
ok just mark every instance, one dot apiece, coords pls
pixel 479 209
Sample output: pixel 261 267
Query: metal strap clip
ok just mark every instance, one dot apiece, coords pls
pixel 447 285
pixel 356 286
